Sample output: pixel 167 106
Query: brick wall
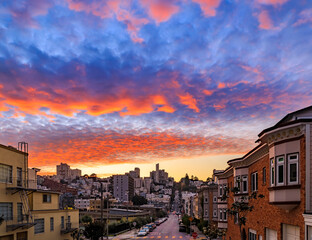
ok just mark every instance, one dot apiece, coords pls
pixel 267 215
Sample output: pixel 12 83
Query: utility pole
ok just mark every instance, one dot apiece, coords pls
pixel 107 210
pixel 101 207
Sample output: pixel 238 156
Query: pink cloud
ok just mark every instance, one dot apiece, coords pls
pixel 272 2
pixel 159 10
pixel 251 69
pixel 265 21
pixel 208 6
pixel 304 17
pixel 109 9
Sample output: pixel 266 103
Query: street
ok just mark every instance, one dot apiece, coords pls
pixel 167 230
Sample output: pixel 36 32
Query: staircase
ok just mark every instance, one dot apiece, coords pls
pixel 26 207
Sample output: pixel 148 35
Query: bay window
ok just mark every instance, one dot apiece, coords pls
pixel 293 169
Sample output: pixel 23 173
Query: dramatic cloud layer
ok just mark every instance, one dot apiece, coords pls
pixel 107 82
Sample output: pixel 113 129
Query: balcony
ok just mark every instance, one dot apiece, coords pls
pixel 17 184
pixel 67 228
pixel 18 222
pixel 285 197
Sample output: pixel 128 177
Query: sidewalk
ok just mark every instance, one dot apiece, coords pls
pixel 127 235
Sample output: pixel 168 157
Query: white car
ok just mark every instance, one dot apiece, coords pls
pixel 142 233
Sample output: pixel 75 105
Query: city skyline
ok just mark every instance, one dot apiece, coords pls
pixel 107 86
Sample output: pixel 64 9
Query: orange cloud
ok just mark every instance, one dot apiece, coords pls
pixel 159 10
pixel 188 100
pixel 265 21
pixel 208 6
pixel 68 102
pixel 86 148
pixel 208 92
pixel 221 85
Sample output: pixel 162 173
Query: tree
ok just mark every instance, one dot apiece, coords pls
pixel 213 231
pixel 94 231
pixel 86 219
pixel 240 207
pixel 139 200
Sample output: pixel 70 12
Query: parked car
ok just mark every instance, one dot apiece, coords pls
pixel 142 233
pixel 182 228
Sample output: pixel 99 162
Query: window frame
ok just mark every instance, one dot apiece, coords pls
pixel 278 164
pixel 48 198
pixel 290 161
pixel 221 215
pixel 51 224
pixel 8 214
pixel 254 181
pixel 9 169
pixel 36 231
pixel 215 213
pixel 238 183
pixel 272 171
pixel 264 176
pixel 242 183
pixel 225 214
pixel 254 233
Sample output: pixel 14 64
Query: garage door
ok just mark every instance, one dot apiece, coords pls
pixel 291 232
pixel 270 234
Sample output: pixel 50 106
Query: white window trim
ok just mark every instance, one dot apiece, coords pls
pixel 254 179
pixel 242 188
pixel 224 214
pixel 289 161
pixel 272 176
pixel 278 171
pixel 238 183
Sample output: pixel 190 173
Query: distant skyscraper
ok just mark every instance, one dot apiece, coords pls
pixel 123 187
pixel 62 170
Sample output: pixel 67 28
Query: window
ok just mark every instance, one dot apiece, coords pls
pixel 19 177
pixel 39 225
pixel 19 212
pixel 254 181
pixel 62 222
pixel 224 214
pixel 252 235
pixel 6 210
pixel 214 199
pixel 206 200
pixel 68 219
pixel 272 164
pixel 221 218
pixel 293 169
pixel 51 224
pixel 280 163
pixel 221 193
pixel 5 173
pixel 215 214
pixel 245 184
pixel 264 176
pixel 46 198
pixel 237 183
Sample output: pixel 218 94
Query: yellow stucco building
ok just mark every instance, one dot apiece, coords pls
pixel 27 213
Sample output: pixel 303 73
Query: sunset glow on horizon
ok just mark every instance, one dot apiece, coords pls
pixel 107 86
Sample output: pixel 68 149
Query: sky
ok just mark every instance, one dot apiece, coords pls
pixel 109 85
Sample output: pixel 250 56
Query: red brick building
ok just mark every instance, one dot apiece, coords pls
pixel 279 168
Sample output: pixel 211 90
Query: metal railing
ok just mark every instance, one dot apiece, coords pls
pixel 20 183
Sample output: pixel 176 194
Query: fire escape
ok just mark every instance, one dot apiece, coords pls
pixel 19 186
